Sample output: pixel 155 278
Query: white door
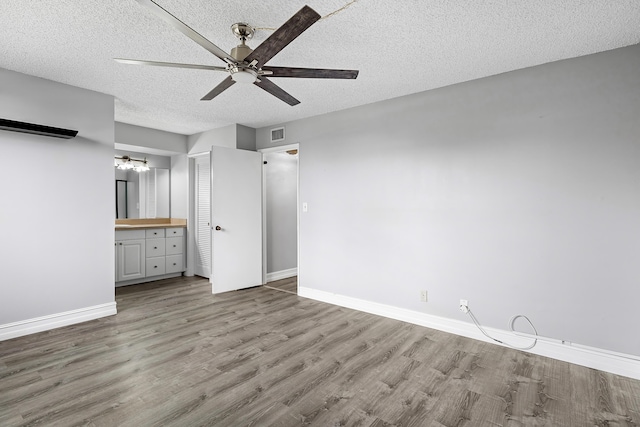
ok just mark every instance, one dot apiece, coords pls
pixel 203 216
pixel 236 219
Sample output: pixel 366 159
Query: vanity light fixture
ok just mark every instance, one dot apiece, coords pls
pixel 126 162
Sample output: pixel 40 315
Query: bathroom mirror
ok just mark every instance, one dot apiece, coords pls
pixel 121 199
pixel 143 194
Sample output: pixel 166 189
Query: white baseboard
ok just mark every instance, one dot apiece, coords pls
pixel 282 274
pixel 52 321
pixel 603 360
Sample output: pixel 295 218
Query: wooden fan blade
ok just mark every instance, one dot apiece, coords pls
pixel 166 16
pixel 224 85
pixel 169 64
pixel 276 91
pixel 311 73
pixel 284 35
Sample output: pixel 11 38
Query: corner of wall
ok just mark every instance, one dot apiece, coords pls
pixel 245 138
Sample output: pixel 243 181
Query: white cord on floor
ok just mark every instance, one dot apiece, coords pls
pixel 511 327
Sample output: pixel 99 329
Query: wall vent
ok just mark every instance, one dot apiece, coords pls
pixel 277 134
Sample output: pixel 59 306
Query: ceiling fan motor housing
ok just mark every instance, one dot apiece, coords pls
pixel 244 32
pixel 240 52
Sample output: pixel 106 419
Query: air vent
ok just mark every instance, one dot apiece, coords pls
pixel 277 134
pixel 36 129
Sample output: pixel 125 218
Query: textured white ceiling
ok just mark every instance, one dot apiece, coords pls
pixel 400 47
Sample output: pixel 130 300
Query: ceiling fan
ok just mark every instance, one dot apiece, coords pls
pixel 244 64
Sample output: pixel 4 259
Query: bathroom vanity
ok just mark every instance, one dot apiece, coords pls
pixel 149 249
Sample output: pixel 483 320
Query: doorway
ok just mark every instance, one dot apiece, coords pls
pixel 280 217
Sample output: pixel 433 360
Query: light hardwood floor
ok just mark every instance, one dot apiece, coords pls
pixel 289 284
pixel 175 355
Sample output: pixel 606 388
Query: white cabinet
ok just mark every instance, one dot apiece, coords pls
pixel 154 233
pixel 155 247
pixel 151 254
pixel 174 245
pixel 155 266
pixel 174 263
pixel 130 255
pixel 174 231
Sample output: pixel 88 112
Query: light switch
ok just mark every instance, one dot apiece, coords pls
pixel 305 207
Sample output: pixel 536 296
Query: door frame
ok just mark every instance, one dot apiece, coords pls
pixel 279 149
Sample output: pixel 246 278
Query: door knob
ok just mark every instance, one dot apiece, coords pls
pixel 218 228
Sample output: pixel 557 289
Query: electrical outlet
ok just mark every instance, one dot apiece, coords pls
pixel 464 306
pixel 423 296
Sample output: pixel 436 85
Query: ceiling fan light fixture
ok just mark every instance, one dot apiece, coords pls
pixel 244 64
pixel 244 75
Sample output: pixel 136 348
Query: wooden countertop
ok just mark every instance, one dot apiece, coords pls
pixel 143 223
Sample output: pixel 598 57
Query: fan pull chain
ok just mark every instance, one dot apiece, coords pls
pixel 328 15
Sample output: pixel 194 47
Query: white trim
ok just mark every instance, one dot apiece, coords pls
pixel 282 274
pixel 57 320
pixel 264 222
pixel 615 363
pixel 210 217
pixel 279 149
pixel 200 154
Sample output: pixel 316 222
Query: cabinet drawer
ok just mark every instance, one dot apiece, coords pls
pixel 155 247
pixel 129 234
pixel 155 266
pixel 175 245
pixel 176 231
pixel 155 233
pixel 175 263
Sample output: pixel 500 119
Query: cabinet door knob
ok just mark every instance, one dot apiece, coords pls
pixel 174 246
pixel 155 247
pixel 155 266
pixel 174 263
pixel 218 228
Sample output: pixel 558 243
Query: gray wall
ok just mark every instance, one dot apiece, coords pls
pixel 245 138
pixel 281 207
pixel 140 137
pixel 58 201
pixel 232 136
pixel 220 137
pixel 519 192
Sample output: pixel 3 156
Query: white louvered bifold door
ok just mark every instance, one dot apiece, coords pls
pixel 203 215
